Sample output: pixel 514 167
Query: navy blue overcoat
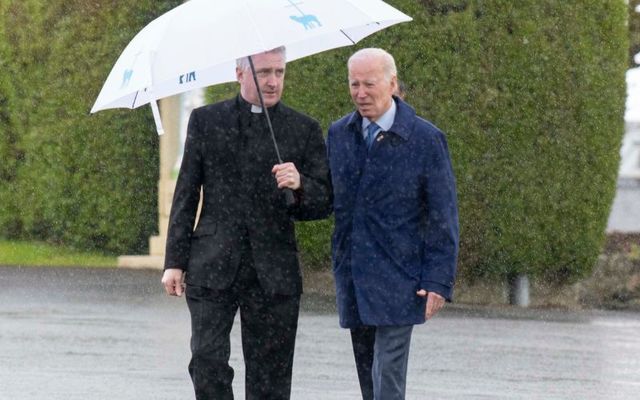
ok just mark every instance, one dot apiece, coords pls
pixel 396 219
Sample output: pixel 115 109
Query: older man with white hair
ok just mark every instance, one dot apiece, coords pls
pixel 395 241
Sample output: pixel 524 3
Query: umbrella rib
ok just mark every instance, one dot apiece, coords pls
pixel 133 105
pixel 347 36
pixel 254 26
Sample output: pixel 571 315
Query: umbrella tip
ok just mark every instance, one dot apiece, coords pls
pixel 156 117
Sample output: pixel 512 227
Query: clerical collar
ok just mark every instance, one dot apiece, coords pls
pixel 254 109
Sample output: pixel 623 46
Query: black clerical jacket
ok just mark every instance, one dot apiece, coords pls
pixel 229 154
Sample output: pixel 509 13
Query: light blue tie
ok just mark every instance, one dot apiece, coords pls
pixel 371 133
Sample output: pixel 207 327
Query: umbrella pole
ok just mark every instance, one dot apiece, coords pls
pixel 264 109
pixel 288 193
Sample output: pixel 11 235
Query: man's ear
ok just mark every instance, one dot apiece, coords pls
pixel 238 74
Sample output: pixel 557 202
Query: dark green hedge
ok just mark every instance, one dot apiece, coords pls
pixel 634 32
pixel 530 94
pixel 8 154
pixel 89 181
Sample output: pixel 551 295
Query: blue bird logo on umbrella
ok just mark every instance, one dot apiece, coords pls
pixel 126 77
pixel 309 21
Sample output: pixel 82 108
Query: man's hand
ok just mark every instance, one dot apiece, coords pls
pixel 287 175
pixel 172 281
pixel 434 302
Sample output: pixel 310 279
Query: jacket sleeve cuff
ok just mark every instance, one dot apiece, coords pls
pixel 171 262
pixel 166 267
pixel 442 290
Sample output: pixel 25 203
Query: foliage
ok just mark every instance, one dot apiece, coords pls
pixel 615 281
pixel 8 150
pixel 634 32
pixel 84 180
pixel 29 254
pixel 530 94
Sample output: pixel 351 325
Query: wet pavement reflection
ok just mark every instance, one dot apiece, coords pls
pixel 78 333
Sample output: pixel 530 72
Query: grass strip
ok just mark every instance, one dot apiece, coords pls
pixel 17 253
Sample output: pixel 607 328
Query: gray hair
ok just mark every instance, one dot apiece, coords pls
pixel 243 62
pixel 388 63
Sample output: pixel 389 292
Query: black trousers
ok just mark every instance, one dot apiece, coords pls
pixel 363 341
pixel 268 327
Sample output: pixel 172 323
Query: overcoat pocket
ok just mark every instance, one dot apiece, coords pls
pixel 210 247
pixel 205 230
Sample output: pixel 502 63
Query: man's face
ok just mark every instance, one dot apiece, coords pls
pixel 370 91
pixel 270 72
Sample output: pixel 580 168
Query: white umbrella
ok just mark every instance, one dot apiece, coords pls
pixel 197 43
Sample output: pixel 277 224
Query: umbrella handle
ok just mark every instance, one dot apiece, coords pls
pixel 289 198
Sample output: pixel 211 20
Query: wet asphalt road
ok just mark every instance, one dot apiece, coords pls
pixel 113 334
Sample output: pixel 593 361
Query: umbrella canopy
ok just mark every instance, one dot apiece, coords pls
pixel 197 43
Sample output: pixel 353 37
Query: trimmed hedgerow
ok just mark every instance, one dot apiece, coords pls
pixel 88 181
pixel 8 151
pixel 530 95
pixel 634 32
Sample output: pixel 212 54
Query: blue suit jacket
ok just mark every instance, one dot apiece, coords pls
pixel 396 228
